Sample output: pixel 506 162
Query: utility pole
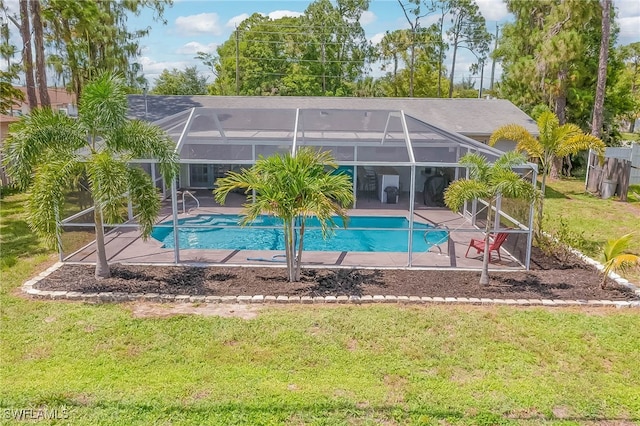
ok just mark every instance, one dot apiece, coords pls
pixel 493 63
pixel 237 62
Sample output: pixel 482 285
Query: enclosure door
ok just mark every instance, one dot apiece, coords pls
pixel 201 175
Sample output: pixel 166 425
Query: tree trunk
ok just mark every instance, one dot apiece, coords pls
pixel 539 216
pixel 41 67
pixel 561 97
pixel 412 65
pixel 289 251
pixel 299 256
pixel 440 49
pixel 598 106
pixel 556 168
pixel 27 55
pixel 453 66
pixel 102 266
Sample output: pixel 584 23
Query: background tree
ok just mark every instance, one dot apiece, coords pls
pixel 9 95
pixel 27 54
pixel 88 37
pixel 322 52
pixel 630 81
pixel 555 141
pixel 46 152
pixel 38 44
pixel 489 182
pixel 549 55
pixel 414 11
pixel 596 126
pixel 176 82
pixel 293 188
pixel 468 30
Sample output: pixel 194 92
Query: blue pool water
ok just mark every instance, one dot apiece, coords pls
pixel 391 234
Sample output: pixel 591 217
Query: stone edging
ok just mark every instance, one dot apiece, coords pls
pixel 104 297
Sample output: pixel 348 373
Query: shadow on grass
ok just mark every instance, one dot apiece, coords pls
pixel 550 193
pixel 16 238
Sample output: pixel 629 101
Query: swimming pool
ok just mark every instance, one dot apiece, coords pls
pixel 221 231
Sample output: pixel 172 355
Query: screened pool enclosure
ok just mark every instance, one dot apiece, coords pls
pixel 399 167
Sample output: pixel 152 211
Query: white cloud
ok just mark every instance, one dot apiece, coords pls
pixel 493 10
pixel 629 30
pixel 376 38
pixel 277 14
pixel 367 18
pixel 194 47
pixel 153 69
pixel 203 23
pixel 236 20
pixel 627 9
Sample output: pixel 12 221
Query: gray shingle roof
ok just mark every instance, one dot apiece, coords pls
pixel 469 117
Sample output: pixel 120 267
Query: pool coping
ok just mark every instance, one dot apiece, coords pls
pixel 110 297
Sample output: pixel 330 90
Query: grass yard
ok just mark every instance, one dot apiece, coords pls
pixel 351 365
pixel 586 222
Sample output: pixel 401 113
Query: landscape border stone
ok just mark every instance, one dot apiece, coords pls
pixel 108 297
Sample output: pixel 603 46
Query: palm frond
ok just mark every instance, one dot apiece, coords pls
pixel 547 123
pixel 465 190
pixel 144 196
pixel 35 138
pixel 518 134
pixel 47 195
pixel 146 141
pixel 510 159
pixel 580 142
pixel 477 165
pixel 103 105
pixel 108 179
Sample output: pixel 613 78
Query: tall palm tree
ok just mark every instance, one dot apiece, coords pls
pixel 292 188
pixel 47 151
pixel 489 181
pixel 555 142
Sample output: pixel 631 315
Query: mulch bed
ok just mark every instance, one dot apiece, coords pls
pixel 549 278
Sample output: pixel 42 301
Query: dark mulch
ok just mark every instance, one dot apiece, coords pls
pixel 549 278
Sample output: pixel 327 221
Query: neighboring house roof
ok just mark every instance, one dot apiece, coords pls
pixel 59 97
pixel 469 117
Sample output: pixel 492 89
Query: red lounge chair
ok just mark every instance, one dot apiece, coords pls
pixel 494 244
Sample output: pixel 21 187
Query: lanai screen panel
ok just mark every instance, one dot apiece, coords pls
pixel 237 135
pixel 434 145
pixel 174 124
pixel 354 135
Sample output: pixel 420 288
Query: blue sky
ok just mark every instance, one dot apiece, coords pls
pixel 202 25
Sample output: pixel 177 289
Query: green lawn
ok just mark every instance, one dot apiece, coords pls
pixel 351 365
pixel 588 221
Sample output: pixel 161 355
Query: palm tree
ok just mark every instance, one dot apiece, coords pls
pixel 555 142
pixel 292 188
pixel 615 257
pixel 46 152
pixel 488 182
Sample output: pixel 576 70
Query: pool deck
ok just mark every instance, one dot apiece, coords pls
pixel 125 245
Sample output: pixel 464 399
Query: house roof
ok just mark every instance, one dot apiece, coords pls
pixel 469 117
pixel 353 136
pixel 59 97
